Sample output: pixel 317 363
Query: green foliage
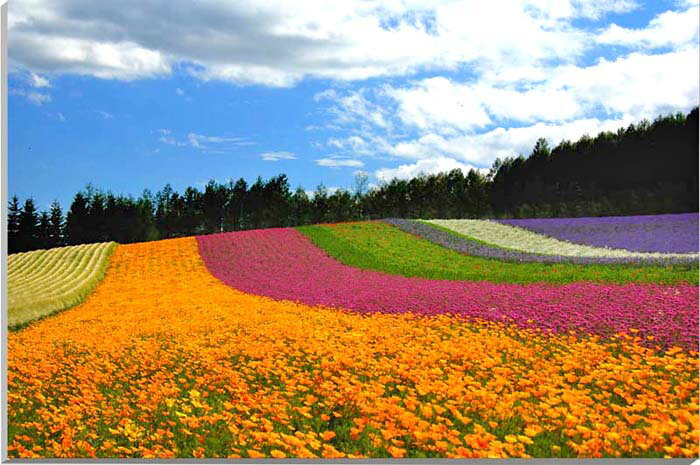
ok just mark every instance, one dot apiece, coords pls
pixel 381 247
pixel 647 168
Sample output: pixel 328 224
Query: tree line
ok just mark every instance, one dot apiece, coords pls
pixel 647 168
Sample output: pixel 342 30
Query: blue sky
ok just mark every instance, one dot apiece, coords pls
pixel 171 92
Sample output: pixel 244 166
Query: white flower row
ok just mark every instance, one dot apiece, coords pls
pixel 513 237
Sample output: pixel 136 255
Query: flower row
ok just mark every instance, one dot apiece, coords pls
pixel 466 245
pixel 166 361
pixel 676 233
pixel 513 237
pixel 283 264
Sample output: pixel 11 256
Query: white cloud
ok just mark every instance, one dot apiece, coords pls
pixel 60 117
pixel 102 59
pixel 209 144
pixel 336 162
pixel 179 91
pixel 426 166
pixel 38 81
pixel 201 141
pixel 354 144
pixel 428 124
pixel 619 86
pixel 638 85
pixel 277 156
pixel 326 94
pixel 670 28
pixel 596 8
pixel 171 141
pixel 38 98
pixel 438 104
pixel 104 114
pixel 278 43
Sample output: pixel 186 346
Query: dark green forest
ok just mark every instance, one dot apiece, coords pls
pixel 646 168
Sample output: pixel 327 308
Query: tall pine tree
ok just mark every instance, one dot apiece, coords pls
pixel 43 240
pixel 13 213
pixel 28 227
pixel 77 220
pixel 56 225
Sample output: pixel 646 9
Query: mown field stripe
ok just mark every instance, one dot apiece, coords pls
pixel 43 282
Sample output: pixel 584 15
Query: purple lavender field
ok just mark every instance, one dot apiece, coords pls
pixel 673 233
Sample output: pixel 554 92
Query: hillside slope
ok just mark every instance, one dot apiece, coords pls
pixel 42 282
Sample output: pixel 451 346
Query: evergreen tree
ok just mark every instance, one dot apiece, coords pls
pixel 13 214
pixel 56 225
pixel 28 227
pixel 43 239
pixel 77 220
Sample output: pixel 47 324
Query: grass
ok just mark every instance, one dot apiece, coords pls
pixel 43 282
pixel 381 247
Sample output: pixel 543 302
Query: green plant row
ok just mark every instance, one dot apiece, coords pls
pixel 381 247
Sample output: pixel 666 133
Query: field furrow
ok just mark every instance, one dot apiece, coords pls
pixel 46 281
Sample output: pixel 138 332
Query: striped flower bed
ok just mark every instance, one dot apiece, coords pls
pixel 164 361
pixel 513 237
pixel 464 244
pixel 283 264
pixel 647 233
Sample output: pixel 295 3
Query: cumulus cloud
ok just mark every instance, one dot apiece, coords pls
pixel 278 43
pixel 436 103
pixel 670 28
pixel 38 81
pixel 428 123
pixel 277 156
pixel 481 149
pixel 427 166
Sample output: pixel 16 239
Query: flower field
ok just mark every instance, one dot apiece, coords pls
pixel 358 340
pixel 514 237
pixel 305 274
pixel 467 245
pixel 649 233
pixel 47 281
pixel 378 246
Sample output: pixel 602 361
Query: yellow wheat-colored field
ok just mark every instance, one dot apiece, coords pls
pixel 42 282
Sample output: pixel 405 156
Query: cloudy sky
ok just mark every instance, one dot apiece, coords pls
pixel 130 95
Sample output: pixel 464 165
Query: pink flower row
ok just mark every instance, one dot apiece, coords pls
pixel 283 264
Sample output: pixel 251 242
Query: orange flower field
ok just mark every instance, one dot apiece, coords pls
pixel 164 360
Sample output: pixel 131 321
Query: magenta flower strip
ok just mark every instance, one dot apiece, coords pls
pixel 283 264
